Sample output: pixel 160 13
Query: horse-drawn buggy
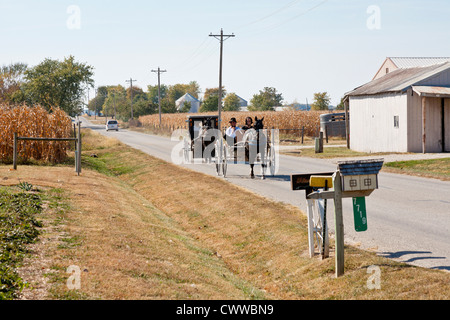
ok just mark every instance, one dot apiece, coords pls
pixel 251 146
pixel 203 132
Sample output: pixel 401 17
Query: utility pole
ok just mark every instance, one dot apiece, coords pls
pixel 114 103
pixel 159 91
pixel 221 37
pixel 131 91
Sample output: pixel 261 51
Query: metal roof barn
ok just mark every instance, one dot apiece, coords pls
pixel 407 110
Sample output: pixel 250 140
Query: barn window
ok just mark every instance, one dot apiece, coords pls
pixel 396 122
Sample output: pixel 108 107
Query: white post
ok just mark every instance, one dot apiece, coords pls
pixel 310 212
pixel 321 225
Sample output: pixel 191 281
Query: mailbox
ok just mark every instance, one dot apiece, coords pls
pixel 359 175
pixel 353 179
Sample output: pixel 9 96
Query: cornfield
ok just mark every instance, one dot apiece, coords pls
pixel 34 122
pixel 310 120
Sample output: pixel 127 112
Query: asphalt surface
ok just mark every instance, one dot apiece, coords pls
pixel 408 217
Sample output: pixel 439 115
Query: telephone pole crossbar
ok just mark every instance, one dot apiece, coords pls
pixel 159 71
pixel 221 37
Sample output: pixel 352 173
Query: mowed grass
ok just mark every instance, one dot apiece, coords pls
pixel 433 168
pixel 142 228
pixel 328 153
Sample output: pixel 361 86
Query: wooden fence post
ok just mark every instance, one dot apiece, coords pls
pixel 339 224
pixel 15 152
pixel 303 133
pixel 79 150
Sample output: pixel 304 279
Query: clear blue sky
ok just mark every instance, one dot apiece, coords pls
pixel 298 47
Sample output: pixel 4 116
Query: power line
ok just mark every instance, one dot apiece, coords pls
pixel 290 4
pixel 131 92
pixel 221 37
pixel 159 71
pixel 283 22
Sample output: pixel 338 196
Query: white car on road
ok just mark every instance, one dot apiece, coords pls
pixel 112 125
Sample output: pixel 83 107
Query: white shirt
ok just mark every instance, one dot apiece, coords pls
pixel 231 131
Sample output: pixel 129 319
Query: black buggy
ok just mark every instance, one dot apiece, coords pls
pixel 200 143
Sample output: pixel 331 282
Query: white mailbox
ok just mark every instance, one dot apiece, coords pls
pixel 360 175
pixel 362 182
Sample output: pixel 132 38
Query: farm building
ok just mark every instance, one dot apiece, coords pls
pixel 242 102
pixel 394 63
pixel 195 103
pixel 406 110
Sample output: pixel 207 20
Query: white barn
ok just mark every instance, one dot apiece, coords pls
pixel 406 110
pixel 195 103
pixel 394 63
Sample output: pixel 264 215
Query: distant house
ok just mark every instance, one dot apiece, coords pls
pixel 394 63
pixel 195 103
pixel 242 102
pixel 406 110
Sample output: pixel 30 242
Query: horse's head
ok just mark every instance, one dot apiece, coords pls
pixel 259 123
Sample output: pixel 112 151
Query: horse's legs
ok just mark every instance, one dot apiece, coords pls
pixel 252 174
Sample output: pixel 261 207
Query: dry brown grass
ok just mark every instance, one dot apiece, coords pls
pixel 163 232
pixel 34 122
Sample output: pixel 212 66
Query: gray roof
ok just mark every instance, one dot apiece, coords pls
pixel 412 62
pixel 187 97
pixel 399 80
pixel 360 167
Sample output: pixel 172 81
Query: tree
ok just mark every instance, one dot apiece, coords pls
pixel 54 83
pixel 193 88
pixel 115 95
pixel 321 101
pixel 341 105
pixel 96 104
pixel 143 106
pixel 214 92
pixel 231 102
pixel 210 104
pixel 186 107
pixel 136 91
pixel 267 99
pixel 152 93
pixel 170 94
pixel 11 81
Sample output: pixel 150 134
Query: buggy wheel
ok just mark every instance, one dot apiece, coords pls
pixel 218 157
pixel 271 161
pixel 186 150
pixel 224 161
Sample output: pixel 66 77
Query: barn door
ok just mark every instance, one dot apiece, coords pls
pixel 446 125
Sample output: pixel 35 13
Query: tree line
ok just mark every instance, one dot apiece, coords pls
pixel 51 84
pixel 54 83
pixel 118 100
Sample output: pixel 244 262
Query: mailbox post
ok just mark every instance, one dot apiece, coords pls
pixel 352 179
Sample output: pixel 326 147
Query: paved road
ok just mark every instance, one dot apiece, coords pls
pixel 408 217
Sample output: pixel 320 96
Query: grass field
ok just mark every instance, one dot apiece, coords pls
pixel 142 228
pixel 328 153
pixel 432 168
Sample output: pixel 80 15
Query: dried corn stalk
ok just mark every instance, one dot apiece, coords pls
pixel 34 122
pixel 278 120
